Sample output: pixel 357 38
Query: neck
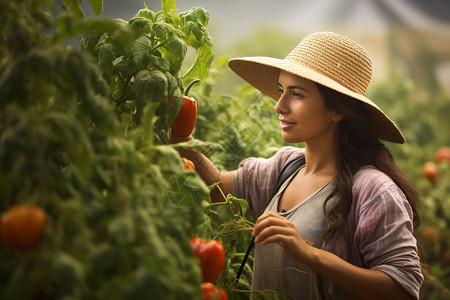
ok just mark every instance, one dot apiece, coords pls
pixel 321 158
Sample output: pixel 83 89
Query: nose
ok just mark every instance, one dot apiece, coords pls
pixel 280 106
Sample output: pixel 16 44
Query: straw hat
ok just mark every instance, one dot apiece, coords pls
pixel 327 58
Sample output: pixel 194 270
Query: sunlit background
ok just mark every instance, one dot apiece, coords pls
pixel 411 37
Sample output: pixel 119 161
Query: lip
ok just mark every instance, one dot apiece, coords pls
pixel 284 124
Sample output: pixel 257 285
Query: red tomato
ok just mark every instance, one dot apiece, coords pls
pixel 188 164
pixel 212 258
pixel 22 226
pixel 185 121
pixel 211 292
pixel 430 171
pixel 443 154
pixel 430 233
pixel 223 295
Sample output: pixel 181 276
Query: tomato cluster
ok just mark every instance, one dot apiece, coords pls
pixel 430 169
pixel 212 259
pixel 211 292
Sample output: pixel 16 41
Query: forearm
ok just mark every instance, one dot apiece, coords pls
pixel 209 173
pixel 204 167
pixel 359 282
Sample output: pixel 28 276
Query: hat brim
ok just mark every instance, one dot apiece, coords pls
pixel 263 72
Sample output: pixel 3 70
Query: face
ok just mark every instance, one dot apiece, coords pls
pixel 302 111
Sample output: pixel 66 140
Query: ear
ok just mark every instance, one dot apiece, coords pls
pixel 336 117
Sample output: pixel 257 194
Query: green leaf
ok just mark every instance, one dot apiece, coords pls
pixel 242 203
pixel 199 146
pixel 176 20
pixel 149 86
pixel 140 26
pixel 159 63
pixel 88 42
pixel 68 29
pixel 106 58
pixel 177 96
pixel 169 6
pixel 122 230
pixel 196 15
pixel 141 53
pixel 74 8
pixel 194 33
pixel 175 51
pixel 97 6
pixel 202 63
pixel 67 130
pixel 160 31
pixel 69 272
pixel 146 13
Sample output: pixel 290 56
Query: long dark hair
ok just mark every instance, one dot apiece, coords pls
pixel 358 147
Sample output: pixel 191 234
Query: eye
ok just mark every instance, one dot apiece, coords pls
pixel 297 94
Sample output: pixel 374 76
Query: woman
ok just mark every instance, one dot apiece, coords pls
pixel 348 214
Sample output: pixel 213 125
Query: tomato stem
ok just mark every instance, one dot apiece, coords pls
pixel 158 45
pixel 188 88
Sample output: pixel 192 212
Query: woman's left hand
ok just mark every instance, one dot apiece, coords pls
pixel 273 228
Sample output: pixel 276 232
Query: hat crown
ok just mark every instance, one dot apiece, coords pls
pixel 337 57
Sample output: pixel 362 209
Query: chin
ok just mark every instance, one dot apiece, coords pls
pixel 292 139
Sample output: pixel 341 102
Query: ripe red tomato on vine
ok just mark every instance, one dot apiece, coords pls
pixel 443 154
pixel 212 257
pixel 188 164
pixel 186 118
pixel 430 171
pixel 22 226
pixel 211 292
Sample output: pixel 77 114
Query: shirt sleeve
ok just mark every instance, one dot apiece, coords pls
pixel 384 231
pixel 256 177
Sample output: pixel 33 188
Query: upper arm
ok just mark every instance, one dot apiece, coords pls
pixel 384 234
pixel 255 178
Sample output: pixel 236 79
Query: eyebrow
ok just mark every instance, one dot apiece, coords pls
pixel 294 87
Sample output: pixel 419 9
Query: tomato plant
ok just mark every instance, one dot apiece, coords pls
pixel 212 257
pixel 22 226
pixel 85 134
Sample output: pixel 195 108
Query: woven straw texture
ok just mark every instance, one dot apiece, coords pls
pixel 327 58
